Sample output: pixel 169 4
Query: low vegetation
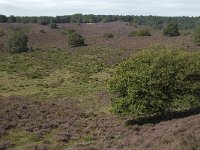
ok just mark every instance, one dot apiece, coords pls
pixel 53 25
pixel 70 31
pixel 17 43
pixel 171 30
pixel 196 35
pixel 42 31
pixel 56 97
pixel 108 35
pixel 2 33
pixel 75 39
pixel 156 81
pixel 140 33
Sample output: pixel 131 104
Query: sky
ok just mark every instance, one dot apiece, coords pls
pixel 104 7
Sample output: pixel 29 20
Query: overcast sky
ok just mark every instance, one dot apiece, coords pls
pixel 111 7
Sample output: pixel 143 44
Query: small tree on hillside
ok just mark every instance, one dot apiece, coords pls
pixel 53 25
pixel 76 40
pixel 156 82
pixel 18 42
pixel 171 30
pixel 196 35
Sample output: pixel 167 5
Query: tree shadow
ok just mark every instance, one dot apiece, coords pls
pixel 159 118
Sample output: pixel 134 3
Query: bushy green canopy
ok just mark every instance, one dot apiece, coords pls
pixel 156 81
pixel 171 30
pixel 76 39
pixel 18 42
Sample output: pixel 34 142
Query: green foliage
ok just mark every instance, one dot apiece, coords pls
pixel 171 30
pixel 2 33
pixel 108 35
pixel 196 36
pixel 3 18
pixel 49 73
pixel 17 43
pixel 33 20
pixel 53 25
pixel 156 82
pixel 12 19
pixel 76 39
pixel 140 33
pixel 156 22
pixel 76 18
pixel 70 31
pixel 44 20
pixel 42 31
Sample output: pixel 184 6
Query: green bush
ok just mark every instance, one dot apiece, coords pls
pixel 155 82
pixel 18 42
pixel 196 35
pixel 42 31
pixel 140 33
pixel 53 25
pixel 70 31
pixel 171 30
pixel 108 35
pixel 76 40
pixel 2 33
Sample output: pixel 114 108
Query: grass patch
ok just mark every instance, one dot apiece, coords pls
pixel 19 138
pixel 55 73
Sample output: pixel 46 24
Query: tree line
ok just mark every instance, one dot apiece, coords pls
pixel 156 22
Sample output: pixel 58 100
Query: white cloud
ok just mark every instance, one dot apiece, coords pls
pixel 131 7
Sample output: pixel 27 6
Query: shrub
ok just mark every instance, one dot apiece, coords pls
pixel 18 42
pixel 76 40
pixel 2 33
pixel 196 35
pixel 53 25
pixel 70 31
pixel 155 82
pixel 140 33
pixel 108 35
pixel 42 31
pixel 171 30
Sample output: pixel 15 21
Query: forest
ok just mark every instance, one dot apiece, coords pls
pixel 157 22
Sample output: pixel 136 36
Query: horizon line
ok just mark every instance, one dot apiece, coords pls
pixel 99 15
